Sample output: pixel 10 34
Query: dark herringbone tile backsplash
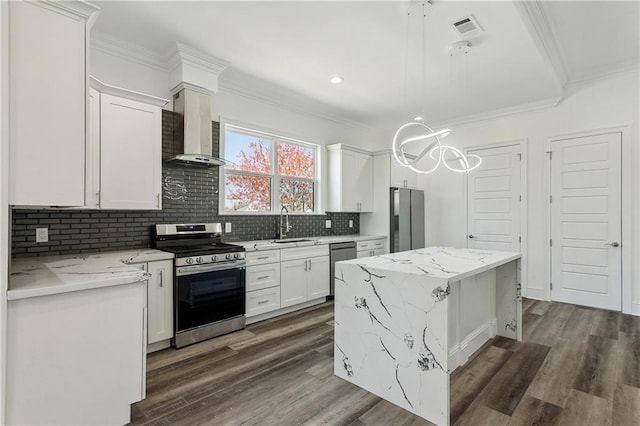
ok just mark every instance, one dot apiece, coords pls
pixel 75 231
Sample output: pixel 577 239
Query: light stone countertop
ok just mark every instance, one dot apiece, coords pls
pixel 449 263
pixel 42 276
pixel 309 241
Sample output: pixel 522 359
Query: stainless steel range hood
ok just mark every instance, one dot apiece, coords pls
pixel 194 129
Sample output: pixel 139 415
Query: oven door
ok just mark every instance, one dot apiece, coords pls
pixel 208 293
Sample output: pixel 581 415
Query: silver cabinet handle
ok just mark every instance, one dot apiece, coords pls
pixel 262 302
pixel 263 257
pixel 471 237
pixel 305 266
pixel 161 278
pixel 309 264
pixel 263 277
pixel 613 244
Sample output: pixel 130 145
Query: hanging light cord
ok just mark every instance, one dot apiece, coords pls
pixel 424 45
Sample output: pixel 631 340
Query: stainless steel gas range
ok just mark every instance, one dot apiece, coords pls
pixel 209 281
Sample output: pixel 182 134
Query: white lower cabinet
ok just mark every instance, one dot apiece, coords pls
pixel 305 276
pixel 160 301
pixel 370 248
pixel 262 282
pixel 263 301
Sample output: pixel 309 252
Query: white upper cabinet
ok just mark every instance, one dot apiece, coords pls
pixel 47 97
pixel 350 179
pixel 401 176
pixel 124 157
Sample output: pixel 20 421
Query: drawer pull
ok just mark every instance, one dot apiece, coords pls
pixel 264 277
pixel 263 257
pixel 262 302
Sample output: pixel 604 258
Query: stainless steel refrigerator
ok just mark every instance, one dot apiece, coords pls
pixel 407 219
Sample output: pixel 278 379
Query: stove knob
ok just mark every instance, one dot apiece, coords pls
pixel 214 258
pixel 199 259
pixel 228 256
pixel 236 256
pixel 189 260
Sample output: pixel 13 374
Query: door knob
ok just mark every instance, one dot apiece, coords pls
pixel 613 244
pixel 471 237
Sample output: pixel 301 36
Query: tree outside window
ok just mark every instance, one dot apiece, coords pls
pixel 263 169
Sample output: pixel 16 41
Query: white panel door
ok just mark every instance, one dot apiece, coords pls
pixel 494 200
pixel 318 277
pixel 293 284
pixel 160 301
pixel 586 221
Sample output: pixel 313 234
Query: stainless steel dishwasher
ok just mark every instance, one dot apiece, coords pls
pixel 338 252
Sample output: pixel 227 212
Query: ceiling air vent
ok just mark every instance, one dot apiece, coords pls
pixel 467 27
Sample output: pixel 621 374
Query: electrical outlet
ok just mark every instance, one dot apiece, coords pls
pixel 227 227
pixel 327 223
pixel 350 224
pixel 42 235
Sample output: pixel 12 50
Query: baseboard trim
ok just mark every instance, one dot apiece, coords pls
pixel 536 293
pixel 157 346
pixel 460 352
pixel 635 309
pixel 288 309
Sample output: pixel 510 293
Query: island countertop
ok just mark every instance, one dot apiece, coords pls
pixel 42 276
pixel 452 264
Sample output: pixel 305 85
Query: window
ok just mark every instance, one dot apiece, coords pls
pixel 265 172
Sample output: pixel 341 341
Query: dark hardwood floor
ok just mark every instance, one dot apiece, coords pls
pixel 575 366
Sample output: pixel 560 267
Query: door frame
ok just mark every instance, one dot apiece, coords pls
pixel 524 149
pixel 628 178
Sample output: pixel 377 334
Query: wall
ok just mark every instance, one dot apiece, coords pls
pixel 76 231
pixel 607 103
pixel 4 195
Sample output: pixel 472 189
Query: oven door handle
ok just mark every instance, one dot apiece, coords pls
pixel 198 269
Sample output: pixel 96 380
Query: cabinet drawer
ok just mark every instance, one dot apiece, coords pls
pixel 370 245
pixel 260 257
pixel 263 276
pixel 262 301
pixel 304 252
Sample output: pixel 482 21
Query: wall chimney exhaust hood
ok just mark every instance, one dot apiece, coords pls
pixel 193 130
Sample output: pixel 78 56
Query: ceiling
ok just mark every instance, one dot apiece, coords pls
pixel 527 54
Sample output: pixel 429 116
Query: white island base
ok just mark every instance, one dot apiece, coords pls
pixel 405 321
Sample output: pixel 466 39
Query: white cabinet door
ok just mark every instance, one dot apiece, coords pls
pixel 402 177
pixel 293 286
pixel 350 179
pixel 160 301
pixel 365 183
pixel 130 154
pixel 92 158
pixel 318 274
pixel 350 184
pixel 47 68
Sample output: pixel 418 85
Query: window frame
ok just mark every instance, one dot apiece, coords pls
pixel 275 177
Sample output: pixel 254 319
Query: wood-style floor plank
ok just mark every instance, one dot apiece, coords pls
pixel 532 411
pixel 585 409
pixel 628 359
pixel 280 372
pixel 626 405
pixel 597 370
pixel 474 377
pixel 505 390
pixel 554 380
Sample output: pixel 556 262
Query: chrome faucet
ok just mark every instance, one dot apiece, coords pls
pixel 284 225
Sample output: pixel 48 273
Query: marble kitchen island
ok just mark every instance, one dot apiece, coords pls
pixel 405 321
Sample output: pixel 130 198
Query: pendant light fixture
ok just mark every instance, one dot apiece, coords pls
pixel 418 146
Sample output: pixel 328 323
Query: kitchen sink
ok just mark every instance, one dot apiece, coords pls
pixel 290 241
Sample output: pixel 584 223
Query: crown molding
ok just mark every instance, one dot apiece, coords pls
pixel 126 93
pixel 258 90
pixel 128 51
pixel 74 8
pixel 181 54
pixel 535 19
pixel 500 113
pixel 596 77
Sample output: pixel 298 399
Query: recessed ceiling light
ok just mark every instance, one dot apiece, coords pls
pixel 337 79
pixel 417 118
